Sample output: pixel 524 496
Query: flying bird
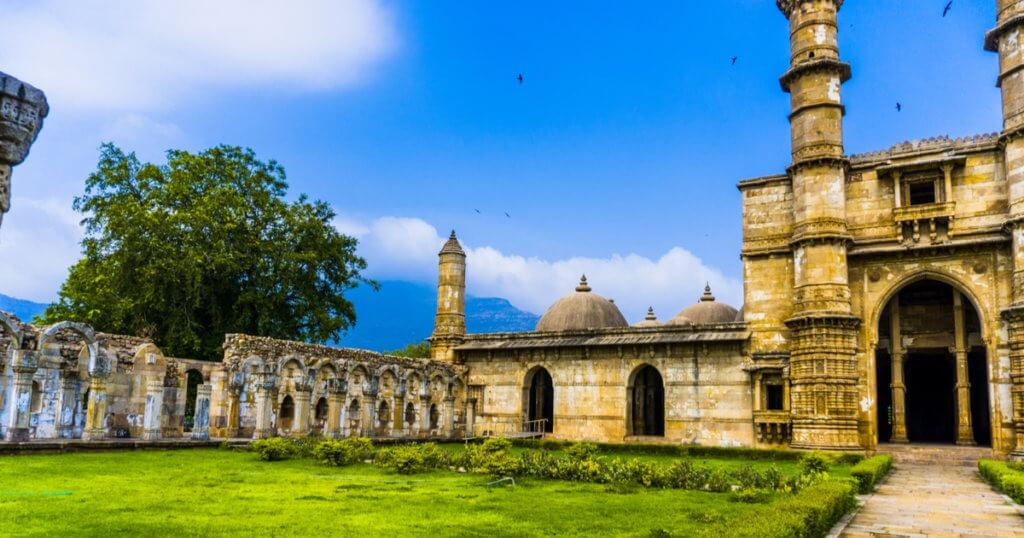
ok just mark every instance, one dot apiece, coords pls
pixel 520 78
pixel 477 210
pixel 734 58
pixel 949 6
pixel 507 215
pixel 899 107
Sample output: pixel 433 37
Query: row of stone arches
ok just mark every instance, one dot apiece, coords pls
pixel 645 401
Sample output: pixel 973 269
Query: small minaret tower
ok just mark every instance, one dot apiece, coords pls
pixel 823 333
pixel 450 321
pixel 1006 39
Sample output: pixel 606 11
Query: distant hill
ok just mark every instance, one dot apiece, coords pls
pixel 403 312
pixel 25 310
pixel 400 313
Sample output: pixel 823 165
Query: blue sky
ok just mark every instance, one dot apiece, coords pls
pixel 617 156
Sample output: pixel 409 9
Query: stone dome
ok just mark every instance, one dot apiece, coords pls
pixel 581 310
pixel 650 321
pixel 739 315
pixel 706 311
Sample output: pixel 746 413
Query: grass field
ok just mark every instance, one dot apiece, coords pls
pixel 219 492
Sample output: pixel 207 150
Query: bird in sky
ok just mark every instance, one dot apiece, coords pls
pixel 949 6
pixel 507 215
pixel 477 210
pixel 734 58
pixel 899 106
pixel 520 78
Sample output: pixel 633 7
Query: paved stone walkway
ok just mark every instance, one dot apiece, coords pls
pixel 935 500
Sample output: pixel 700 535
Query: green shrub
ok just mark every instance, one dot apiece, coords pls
pixel 272 448
pixel 581 451
pixel 750 495
pixel 870 471
pixel 1005 477
pixel 495 444
pixel 405 459
pixel 811 512
pixel 343 452
pixel 303 447
pixel 814 463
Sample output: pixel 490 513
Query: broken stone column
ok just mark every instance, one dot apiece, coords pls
pixel 22 109
pixel 96 414
pixel 264 405
pixel 20 413
pixel 154 406
pixel 201 422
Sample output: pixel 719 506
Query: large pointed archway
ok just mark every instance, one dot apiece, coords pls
pixel 931 368
pixel 539 400
pixel 646 402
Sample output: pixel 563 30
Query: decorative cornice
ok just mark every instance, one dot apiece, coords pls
pixel 821 64
pixel 838 162
pixel 993 35
pixel 788 6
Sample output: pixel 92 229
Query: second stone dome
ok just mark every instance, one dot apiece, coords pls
pixel 581 310
pixel 706 311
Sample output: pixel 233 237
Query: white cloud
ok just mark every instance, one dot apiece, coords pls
pixel 116 55
pixel 406 248
pixel 38 243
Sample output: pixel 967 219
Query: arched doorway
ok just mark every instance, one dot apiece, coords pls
pixel 193 378
pixel 435 417
pixel 647 399
pixel 540 399
pixel 320 414
pixel 383 416
pixel 931 368
pixel 354 418
pixel 286 415
pixel 410 415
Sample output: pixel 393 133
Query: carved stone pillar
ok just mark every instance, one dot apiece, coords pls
pixel 425 414
pixel 899 398
pixel 369 411
pixel 470 417
pixel 234 411
pixel 201 423
pixel 19 418
pixel 264 406
pixel 448 417
pixel 22 109
pixel 303 396
pixel 335 402
pixel 68 403
pixel 964 431
pixel 398 416
pixel 96 426
pixel 152 419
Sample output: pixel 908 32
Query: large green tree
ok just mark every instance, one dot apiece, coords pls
pixel 205 245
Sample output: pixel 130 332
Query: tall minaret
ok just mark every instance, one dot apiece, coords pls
pixel 823 362
pixel 450 321
pixel 1006 39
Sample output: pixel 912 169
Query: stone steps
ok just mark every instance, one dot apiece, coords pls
pixel 967 456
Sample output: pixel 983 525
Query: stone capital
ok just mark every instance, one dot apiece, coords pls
pixel 789 6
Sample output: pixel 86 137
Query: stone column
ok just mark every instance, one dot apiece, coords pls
pixel 425 413
pixel 899 388
pixel 96 427
pixel 470 417
pixel 448 417
pixel 201 422
pixel 68 403
pixel 264 406
pixel 964 431
pixel 234 411
pixel 450 319
pixel 152 427
pixel 19 416
pixel 303 396
pixel 24 108
pixel 369 409
pixel 398 415
pixel 335 403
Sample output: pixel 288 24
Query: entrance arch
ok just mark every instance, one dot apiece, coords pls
pixel 539 398
pixel 287 414
pixel 646 402
pixel 931 365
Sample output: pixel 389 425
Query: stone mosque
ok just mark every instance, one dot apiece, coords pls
pixel 883 303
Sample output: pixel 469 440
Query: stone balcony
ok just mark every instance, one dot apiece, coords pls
pixel 930 222
pixel 773 427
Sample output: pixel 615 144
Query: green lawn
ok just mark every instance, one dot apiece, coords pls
pixel 218 492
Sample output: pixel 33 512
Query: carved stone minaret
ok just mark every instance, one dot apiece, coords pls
pixel 1005 39
pixel 22 109
pixel 823 361
pixel 450 321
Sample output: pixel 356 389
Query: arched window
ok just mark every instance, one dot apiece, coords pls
pixel 286 415
pixel 410 414
pixel 435 417
pixel 37 397
pixel 647 402
pixel 383 415
pixel 540 401
pixel 320 413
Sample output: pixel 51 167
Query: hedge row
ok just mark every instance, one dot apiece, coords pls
pixel 870 471
pixel 1006 477
pixel 759 454
pixel 811 512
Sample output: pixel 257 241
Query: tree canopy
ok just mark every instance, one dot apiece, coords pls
pixel 205 245
pixel 415 350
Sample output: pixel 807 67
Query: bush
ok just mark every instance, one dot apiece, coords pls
pixel 581 451
pixel 303 447
pixel 814 463
pixel 870 471
pixel 1005 477
pixel 405 459
pixel 343 452
pixel 750 495
pixel 272 448
pixel 811 512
